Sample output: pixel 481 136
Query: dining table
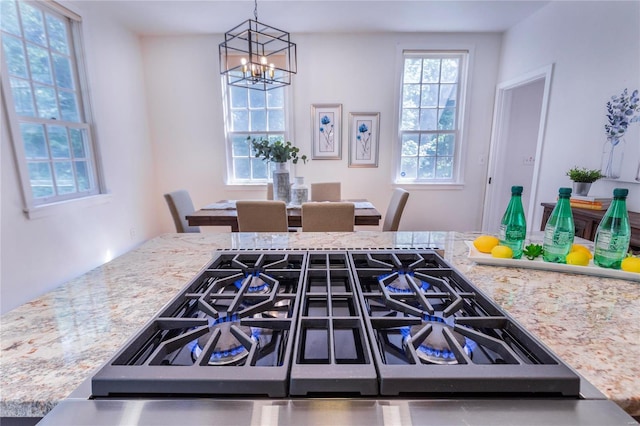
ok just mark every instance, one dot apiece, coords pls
pixel 224 213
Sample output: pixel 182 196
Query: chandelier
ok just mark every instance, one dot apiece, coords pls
pixel 257 56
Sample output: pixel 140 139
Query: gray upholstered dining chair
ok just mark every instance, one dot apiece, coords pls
pixel 325 191
pixel 180 205
pixel 328 217
pixel 394 210
pixel 262 216
pixel 269 191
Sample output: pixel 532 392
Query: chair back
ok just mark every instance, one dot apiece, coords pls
pixel 270 191
pixel 180 205
pixel 262 216
pixel 394 210
pixel 325 191
pixel 328 217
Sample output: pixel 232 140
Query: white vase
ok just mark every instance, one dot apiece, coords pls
pixel 281 183
pixel 299 192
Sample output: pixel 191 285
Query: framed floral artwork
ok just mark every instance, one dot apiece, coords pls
pixel 326 125
pixel 364 139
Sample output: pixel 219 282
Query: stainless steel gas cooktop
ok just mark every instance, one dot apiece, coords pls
pixel 310 327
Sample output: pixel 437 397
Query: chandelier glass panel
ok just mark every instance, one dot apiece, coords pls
pixel 257 56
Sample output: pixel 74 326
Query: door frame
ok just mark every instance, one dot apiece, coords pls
pixel 501 117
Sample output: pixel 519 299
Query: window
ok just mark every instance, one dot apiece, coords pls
pixel 252 114
pixel 430 117
pixel 43 94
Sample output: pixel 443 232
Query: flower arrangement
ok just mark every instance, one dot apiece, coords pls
pixel 584 175
pixel 620 113
pixel 278 151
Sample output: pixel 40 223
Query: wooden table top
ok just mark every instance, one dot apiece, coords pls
pixel 229 217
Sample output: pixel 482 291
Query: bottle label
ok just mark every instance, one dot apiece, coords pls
pixel 608 241
pixel 557 238
pixel 515 234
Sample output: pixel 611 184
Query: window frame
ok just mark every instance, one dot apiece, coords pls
pixel 229 135
pixel 466 56
pixel 43 206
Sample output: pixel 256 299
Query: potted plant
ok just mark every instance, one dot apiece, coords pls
pixel 278 152
pixel 583 178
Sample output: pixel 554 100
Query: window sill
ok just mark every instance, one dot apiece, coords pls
pixel 431 185
pixel 53 209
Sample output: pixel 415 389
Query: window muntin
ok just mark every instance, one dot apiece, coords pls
pixel 252 114
pixel 430 116
pixel 50 131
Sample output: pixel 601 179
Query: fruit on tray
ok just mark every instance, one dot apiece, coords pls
pixel 630 264
pixel 485 243
pixel 578 257
pixel 502 252
pixel 580 247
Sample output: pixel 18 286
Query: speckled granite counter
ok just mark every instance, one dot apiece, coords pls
pixel 52 344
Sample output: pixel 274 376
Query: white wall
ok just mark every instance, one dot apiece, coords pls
pixel 595 47
pixel 185 112
pixel 39 254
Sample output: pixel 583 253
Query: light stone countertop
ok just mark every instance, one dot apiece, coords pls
pixel 52 344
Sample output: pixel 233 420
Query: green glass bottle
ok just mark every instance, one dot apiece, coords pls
pixel 614 233
pixel 560 230
pixel 513 226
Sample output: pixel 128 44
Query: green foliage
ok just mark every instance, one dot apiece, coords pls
pixel 584 175
pixel 532 251
pixel 277 152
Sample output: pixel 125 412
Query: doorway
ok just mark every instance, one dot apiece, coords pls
pixel 516 145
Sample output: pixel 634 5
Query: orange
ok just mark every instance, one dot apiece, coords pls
pixel 484 243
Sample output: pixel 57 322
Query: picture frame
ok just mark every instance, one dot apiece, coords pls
pixel 364 139
pixel 326 131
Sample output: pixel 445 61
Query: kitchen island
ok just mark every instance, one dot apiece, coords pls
pixel 51 345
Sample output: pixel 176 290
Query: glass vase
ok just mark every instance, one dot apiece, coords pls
pixel 281 183
pixel 612 155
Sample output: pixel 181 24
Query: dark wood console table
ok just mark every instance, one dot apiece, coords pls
pixel 587 221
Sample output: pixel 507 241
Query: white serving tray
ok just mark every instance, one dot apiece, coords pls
pixel 538 263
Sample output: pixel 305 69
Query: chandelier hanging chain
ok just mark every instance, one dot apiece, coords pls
pixel 255 9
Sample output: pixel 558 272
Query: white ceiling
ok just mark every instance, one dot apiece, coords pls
pixel 163 17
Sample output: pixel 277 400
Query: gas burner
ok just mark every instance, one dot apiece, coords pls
pixel 400 283
pixel 256 284
pixel 434 348
pixel 228 349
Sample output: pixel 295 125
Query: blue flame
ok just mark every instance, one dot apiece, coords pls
pixel 423 284
pixel 251 289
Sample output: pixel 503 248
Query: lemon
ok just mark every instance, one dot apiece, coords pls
pixel 484 243
pixel 503 252
pixel 578 257
pixel 580 247
pixel 630 264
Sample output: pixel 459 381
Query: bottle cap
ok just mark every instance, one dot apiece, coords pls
pixel 620 192
pixel 516 190
pixel 565 191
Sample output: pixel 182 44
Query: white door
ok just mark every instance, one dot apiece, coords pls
pixel 516 145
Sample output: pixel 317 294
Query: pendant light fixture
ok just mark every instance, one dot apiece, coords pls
pixel 257 56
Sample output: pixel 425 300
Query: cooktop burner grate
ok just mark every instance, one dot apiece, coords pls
pixel 339 322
